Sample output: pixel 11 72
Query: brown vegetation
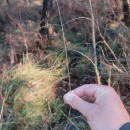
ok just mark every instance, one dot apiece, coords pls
pixel 59 45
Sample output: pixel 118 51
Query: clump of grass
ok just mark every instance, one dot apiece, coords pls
pixel 32 92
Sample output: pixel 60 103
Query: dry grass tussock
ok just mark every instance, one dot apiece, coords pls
pixel 29 91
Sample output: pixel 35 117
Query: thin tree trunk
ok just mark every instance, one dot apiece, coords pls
pixel 8 3
pixel 45 18
pixel 126 12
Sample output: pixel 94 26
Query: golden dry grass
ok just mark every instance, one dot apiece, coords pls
pixel 31 93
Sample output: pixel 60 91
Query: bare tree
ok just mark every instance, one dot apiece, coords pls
pixel 126 12
pixel 8 2
pixel 47 5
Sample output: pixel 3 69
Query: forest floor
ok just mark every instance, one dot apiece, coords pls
pixel 34 77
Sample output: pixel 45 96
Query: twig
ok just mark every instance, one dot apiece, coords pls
pixel 94 43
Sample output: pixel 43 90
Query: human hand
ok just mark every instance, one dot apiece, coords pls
pixel 101 106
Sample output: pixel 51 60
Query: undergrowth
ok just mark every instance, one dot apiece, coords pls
pixel 30 90
pixel 35 76
pixel 30 100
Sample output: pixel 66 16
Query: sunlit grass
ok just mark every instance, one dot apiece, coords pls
pixel 32 92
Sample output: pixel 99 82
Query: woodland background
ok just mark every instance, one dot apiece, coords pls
pixel 48 47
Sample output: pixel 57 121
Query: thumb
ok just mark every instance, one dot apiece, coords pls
pixel 79 104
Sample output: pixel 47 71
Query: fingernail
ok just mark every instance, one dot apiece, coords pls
pixel 69 97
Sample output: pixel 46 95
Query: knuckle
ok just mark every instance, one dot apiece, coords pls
pixel 111 90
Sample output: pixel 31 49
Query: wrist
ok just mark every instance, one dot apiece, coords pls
pixel 120 124
pixel 126 126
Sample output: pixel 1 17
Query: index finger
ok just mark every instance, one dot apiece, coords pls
pixel 88 90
